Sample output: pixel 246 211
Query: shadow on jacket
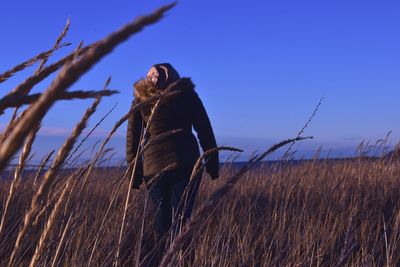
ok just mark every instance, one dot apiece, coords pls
pixel 181 112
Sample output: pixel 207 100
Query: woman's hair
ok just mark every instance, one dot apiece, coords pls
pixel 159 77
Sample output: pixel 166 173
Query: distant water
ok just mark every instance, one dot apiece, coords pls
pixel 32 169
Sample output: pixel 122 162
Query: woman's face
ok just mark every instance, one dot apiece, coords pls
pixel 152 76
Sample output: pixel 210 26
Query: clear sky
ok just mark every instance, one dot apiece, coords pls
pixel 260 66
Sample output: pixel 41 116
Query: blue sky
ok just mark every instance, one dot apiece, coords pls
pixel 259 66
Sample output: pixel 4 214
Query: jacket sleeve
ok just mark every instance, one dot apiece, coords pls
pixel 205 134
pixel 134 131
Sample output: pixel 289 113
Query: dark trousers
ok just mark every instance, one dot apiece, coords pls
pixel 172 199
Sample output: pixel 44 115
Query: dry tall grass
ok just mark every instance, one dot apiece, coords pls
pixel 316 213
pixel 319 213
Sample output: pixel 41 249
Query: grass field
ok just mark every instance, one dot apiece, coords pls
pixel 318 213
pixel 314 213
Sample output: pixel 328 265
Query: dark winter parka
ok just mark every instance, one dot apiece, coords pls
pixel 182 112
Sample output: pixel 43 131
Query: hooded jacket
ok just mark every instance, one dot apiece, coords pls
pixel 182 112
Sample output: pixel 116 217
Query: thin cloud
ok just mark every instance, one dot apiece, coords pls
pixel 64 132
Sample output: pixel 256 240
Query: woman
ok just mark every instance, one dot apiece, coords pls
pixel 167 163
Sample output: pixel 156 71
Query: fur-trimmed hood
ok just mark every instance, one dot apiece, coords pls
pixel 144 89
